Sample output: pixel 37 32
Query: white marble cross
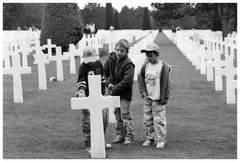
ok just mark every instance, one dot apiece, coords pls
pixel 95 102
pixel 59 60
pixel 41 60
pixel 49 46
pixel 203 69
pixel 25 51
pixel 229 71
pixel 209 69
pixel 81 46
pixel 111 115
pixel 72 52
pixel 217 64
pixel 6 55
pixel 16 70
pixel 232 95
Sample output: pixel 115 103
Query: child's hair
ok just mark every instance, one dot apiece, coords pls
pixel 123 43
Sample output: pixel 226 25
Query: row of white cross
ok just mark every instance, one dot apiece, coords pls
pixel 212 56
pixel 97 134
pixel 23 45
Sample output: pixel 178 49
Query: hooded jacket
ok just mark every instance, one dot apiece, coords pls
pixel 164 82
pixel 120 74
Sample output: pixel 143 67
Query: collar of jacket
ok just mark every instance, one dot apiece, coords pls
pixel 164 62
pixel 91 64
pixel 114 56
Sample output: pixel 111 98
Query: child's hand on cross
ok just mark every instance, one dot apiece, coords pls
pixel 144 95
pixel 109 88
pixel 80 93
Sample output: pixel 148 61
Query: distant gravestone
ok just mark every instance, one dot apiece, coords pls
pixel 49 47
pixel 72 52
pixel 16 70
pixel 59 59
pixel 95 102
pixel 41 60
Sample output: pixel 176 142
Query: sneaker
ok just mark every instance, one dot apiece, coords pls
pixel 88 149
pixel 119 139
pixel 128 141
pixel 160 145
pixel 148 142
pixel 108 145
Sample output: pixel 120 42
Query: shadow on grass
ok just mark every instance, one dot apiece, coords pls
pixel 200 124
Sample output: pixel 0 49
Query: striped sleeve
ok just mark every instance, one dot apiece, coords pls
pixel 81 81
pixel 82 85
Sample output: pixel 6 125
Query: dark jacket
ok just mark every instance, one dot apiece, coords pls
pixel 89 69
pixel 164 82
pixel 120 74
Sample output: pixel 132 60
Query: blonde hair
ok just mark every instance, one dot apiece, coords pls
pixel 123 43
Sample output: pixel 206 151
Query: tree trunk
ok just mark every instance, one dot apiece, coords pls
pixel 224 20
pixel 225 29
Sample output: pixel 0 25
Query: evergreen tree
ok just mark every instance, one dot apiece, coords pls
pixel 93 12
pixel 108 16
pixel 23 15
pixel 222 16
pixel 127 18
pixel 116 21
pixel 138 18
pixel 62 24
pixel 146 20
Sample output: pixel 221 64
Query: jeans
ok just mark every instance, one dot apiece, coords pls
pixel 124 126
pixel 154 124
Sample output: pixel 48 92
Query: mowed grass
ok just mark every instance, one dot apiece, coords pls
pixel 200 124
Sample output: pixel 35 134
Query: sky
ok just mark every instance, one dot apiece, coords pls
pixel 118 4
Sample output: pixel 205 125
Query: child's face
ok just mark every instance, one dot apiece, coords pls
pixel 120 51
pixel 151 57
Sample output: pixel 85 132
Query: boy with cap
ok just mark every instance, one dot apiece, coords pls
pixel 153 83
pixel 119 73
pixel 90 66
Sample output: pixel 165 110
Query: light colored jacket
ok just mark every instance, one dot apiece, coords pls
pixel 164 82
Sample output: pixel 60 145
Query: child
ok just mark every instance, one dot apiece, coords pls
pixel 153 82
pixel 90 66
pixel 119 72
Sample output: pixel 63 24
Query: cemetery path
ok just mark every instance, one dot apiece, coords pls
pixel 200 124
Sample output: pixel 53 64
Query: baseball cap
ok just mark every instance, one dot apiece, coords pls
pixel 150 47
pixel 90 54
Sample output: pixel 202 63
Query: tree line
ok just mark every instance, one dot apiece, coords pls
pixel 25 15
pixel 213 16
pixel 64 22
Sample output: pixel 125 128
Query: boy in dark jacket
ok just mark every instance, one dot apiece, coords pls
pixel 119 72
pixel 153 82
pixel 90 66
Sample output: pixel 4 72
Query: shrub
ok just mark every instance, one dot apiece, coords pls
pixel 62 24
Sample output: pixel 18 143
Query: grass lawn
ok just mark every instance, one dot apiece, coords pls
pixel 200 124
